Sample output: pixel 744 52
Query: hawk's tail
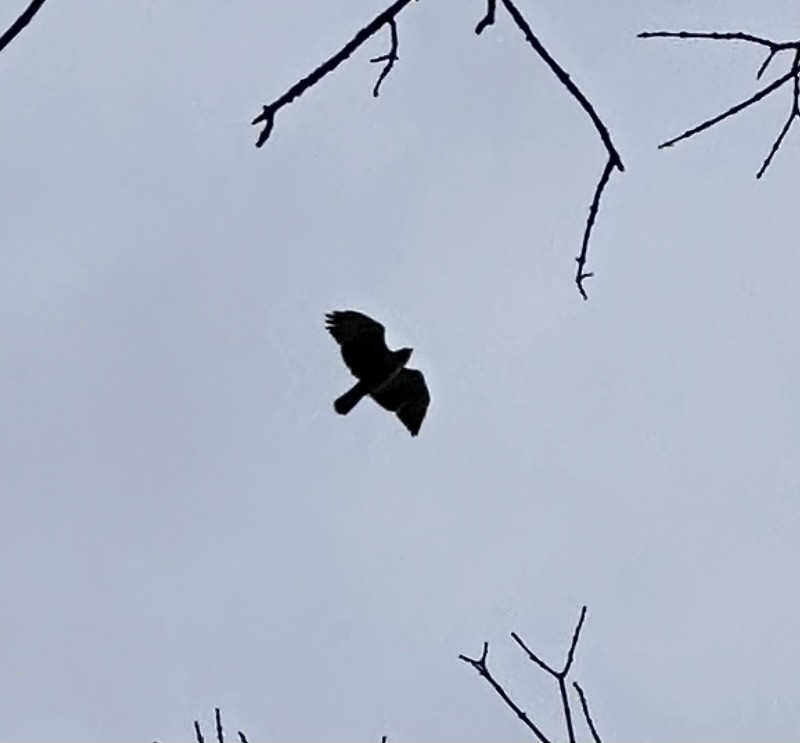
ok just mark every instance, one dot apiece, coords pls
pixel 344 404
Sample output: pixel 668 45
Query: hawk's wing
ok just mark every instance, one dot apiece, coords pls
pixel 406 394
pixel 364 349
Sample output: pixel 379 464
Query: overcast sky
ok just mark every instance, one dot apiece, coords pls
pixel 186 521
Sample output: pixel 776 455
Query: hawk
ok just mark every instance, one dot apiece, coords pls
pixel 381 373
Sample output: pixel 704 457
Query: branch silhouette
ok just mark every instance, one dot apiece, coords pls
pixel 481 666
pixel 266 119
pixel 614 161
pixel 390 58
pixel 387 17
pixel 220 733
pixel 774 48
pixel 488 19
pixel 24 19
pixel 586 715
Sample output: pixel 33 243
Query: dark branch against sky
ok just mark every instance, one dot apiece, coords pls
pixel 267 115
pixel 266 119
pixel 774 48
pixel 482 667
pixel 614 161
pixel 24 19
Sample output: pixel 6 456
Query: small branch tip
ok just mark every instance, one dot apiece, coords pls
pixel 488 18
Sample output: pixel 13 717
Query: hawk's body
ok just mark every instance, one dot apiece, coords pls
pixel 381 373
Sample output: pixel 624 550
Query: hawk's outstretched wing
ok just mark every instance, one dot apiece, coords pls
pixel 362 340
pixel 406 394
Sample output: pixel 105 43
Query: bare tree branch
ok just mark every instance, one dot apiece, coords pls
pixel 776 145
pixel 614 158
pixel 388 17
pixel 585 708
pixel 765 63
pixel 794 113
pixel 565 80
pixel 763 93
pixel 218 725
pixel 390 58
pixel 774 47
pixel 24 19
pixel 560 676
pixel 488 19
pixel 198 733
pixel 479 664
pixel 581 275
pixel 267 115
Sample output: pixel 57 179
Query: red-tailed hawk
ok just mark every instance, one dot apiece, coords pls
pixel 381 373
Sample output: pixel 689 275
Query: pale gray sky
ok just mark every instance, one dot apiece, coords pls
pixel 187 523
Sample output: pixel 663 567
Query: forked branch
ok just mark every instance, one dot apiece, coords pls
pixel 614 161
pixel 266 119
pixel 267 116
pixel 560 674
pixel 479 664
pixel 488 19
pixel 390 57
pixel 774 48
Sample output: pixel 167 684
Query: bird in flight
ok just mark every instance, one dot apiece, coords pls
pixel 381 373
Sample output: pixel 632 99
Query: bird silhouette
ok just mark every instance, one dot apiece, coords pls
pixel 381 373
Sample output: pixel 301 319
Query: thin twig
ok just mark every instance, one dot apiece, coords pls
pixel 570 653
pixel 774 47
pixel 198 733
pixel 267 115
pixel 765 63
pixel 566 81
pixel 24 19
pixel 794 113
pixel 574 643
pixel 763 93
pixel 488 19
pixel 585 707
pixel 479 664
pixel 581 275
pixel 776 145
pixel 561 675
pixel 796 105
pixel 614 158
pixel 390 58
pixel 218 725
